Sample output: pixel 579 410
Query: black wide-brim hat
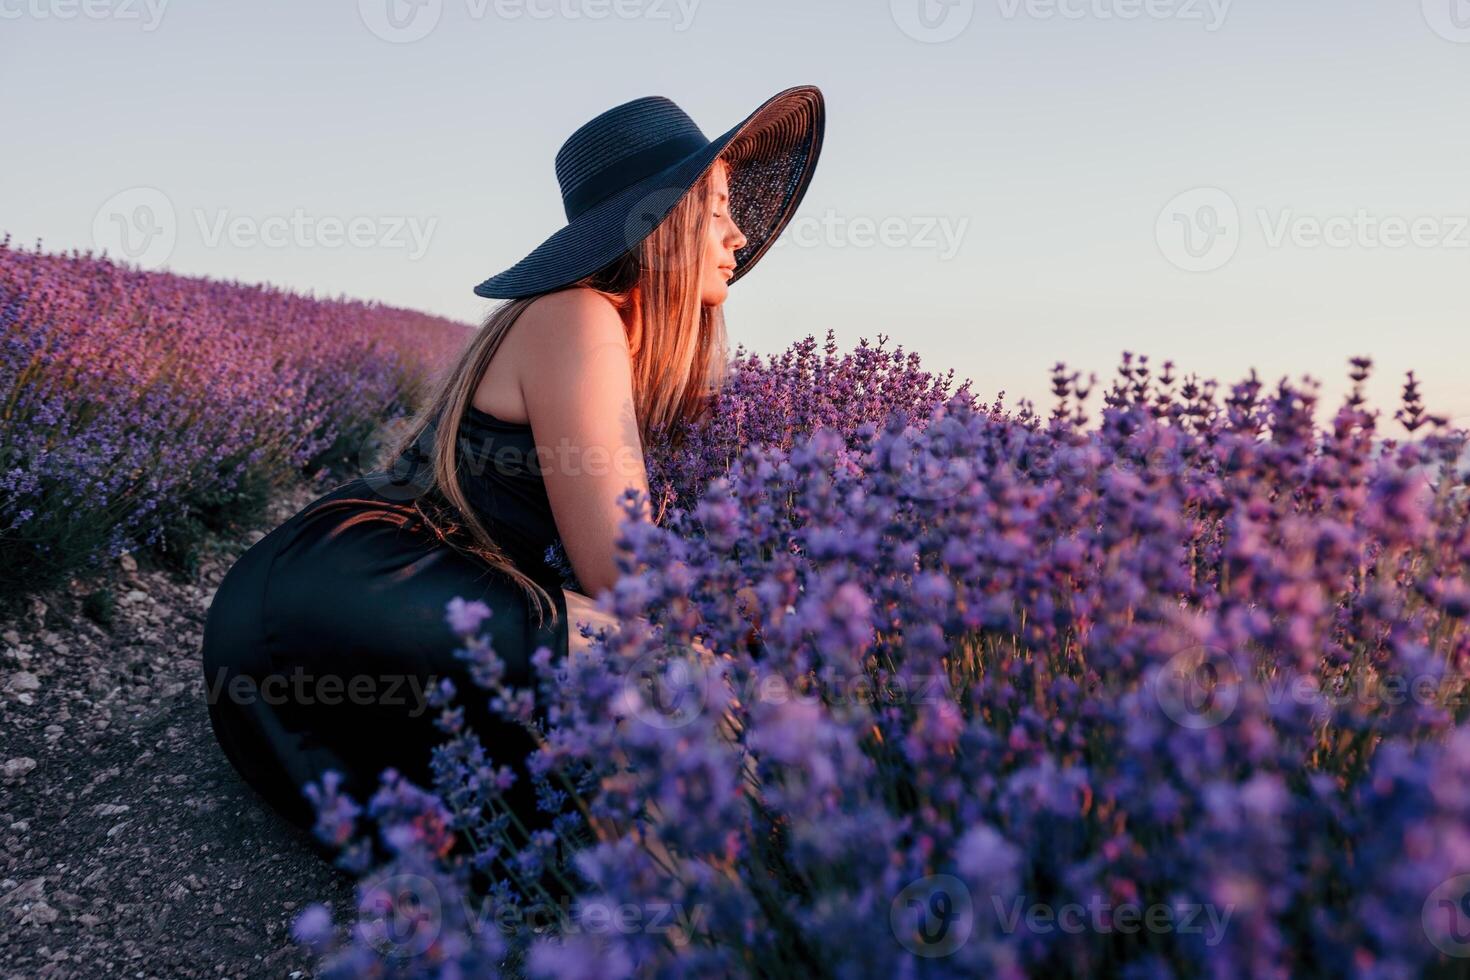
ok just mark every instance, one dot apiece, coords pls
pixel 623 172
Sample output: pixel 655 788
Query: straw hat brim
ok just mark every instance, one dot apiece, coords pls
pixel 772 154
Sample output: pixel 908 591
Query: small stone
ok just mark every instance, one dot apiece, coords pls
pixel 12 637
pixel 66 900
pixel 21 826
pixel 32 890
pixel 109 809
pixel 134 595
pixel 17 767
pixel 112 832
pixel 23 680
pixel 219 909
pixel 89 920
pixel 39 914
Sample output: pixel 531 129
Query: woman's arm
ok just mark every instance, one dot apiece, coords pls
pixel 577 384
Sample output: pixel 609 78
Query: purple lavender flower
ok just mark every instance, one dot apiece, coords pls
pixel 928 637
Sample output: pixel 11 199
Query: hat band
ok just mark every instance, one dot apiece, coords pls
pixel 627 171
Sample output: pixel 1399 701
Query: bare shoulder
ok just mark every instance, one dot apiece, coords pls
pixel 577 317
pixel 552 333
pixel 576 355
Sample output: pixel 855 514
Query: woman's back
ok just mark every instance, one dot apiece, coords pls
pixel 500 475
pixel 564 371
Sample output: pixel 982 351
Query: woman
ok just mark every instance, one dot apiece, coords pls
pixel 326 637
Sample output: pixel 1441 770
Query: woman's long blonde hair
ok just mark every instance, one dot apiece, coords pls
pixel 679 358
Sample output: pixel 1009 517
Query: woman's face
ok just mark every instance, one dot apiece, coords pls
pixel 722 241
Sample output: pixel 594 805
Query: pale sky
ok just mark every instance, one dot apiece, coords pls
pixel 1004 184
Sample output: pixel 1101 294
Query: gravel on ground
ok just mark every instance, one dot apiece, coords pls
pixel 129 847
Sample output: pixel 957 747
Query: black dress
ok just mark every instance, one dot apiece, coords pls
pixel 326 637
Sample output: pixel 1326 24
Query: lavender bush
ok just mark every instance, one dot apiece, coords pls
pixel 978 693
pixel 774 401
pixel 131 400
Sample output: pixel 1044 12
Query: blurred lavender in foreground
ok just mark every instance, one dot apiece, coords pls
pixel 982 693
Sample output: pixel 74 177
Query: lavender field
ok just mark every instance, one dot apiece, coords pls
pixel 1161 680
pixel 1164 681
pixel 139 408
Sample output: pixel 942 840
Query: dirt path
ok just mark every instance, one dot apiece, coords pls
pixel 128 845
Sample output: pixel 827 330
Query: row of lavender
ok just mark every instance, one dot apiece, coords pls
pixel 973 691
pixel 135 404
